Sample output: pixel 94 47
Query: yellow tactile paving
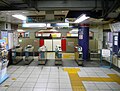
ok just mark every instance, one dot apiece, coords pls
pixel 76 81
pixel 72 70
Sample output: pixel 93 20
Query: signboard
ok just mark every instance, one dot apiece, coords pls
pixel 42 18
pixel 35 19
pixel 105 53
pixel 115 27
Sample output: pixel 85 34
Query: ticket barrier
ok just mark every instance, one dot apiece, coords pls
pixel 29 54
pixel 78 55
pixel 17 54
pixel 58 56
pixel 42 58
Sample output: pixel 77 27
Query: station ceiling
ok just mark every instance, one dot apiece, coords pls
pixel 105 9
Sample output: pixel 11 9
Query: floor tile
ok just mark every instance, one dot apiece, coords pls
pixel 21 79
pixel 53 85
pixel 15 75
pixel 113 85
pixel 13 89
pixel 44 73
pixel 27 85
pixel 17 84
pixel 64 81
pixel 90 86
pixel 53 77
pixel 41 85
pixel 26 89
pixel 6 84
pixel 52 89
pixel 105 90
pixel 39 89
pixel 65 86
pixel 42 80
pixel 103 86
pixel 24 75
pixel 65 89
pixel 91 89
pixel 32 79
pixel 3 88
pixel 53 80
pixel 43 76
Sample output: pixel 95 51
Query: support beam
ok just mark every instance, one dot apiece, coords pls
pixel 107 10
pixel 8 4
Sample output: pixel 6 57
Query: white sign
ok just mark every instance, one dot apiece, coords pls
pixel 115 26
pixel 105 53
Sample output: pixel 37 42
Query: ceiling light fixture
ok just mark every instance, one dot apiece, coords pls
pixel 21 17
pixel 81 18
pixel 20 30
pixel 34 25
pixel 62 24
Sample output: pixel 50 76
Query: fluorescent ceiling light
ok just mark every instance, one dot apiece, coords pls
pixel 74 30
pixel 81 18
pixel 34 25
pixel 48 25
pixel 20 30
pixel 62 24
pixel 21 17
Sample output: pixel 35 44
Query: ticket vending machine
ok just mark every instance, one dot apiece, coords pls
pixel 78 55
pixel 42 58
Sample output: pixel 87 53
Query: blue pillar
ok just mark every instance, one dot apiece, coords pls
pixel 83 39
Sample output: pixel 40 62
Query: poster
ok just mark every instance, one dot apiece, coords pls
pixel 80 36
pixel 4 36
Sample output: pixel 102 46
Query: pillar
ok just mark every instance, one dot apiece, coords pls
pixel 83 39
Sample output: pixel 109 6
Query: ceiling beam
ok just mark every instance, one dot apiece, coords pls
pixel 35 5
pixel 7 3
pixel 109 9
pixel 32 4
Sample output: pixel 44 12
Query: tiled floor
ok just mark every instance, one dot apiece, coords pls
pixel 38 78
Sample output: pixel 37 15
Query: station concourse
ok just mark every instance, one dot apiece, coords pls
pixel 59 45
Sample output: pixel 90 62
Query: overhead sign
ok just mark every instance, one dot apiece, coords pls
pixel 35 19
pixel 42 18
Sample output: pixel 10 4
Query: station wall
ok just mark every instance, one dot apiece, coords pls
pixel 95 43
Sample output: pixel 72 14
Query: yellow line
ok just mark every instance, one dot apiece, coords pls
pixel 76 81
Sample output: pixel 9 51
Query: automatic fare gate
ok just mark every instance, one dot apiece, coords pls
pixel 107 55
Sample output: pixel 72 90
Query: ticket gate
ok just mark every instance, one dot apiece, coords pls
pixel 78 55
pixel 29 54
pixel 58 56
pixel 17 54
pixel 42 58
